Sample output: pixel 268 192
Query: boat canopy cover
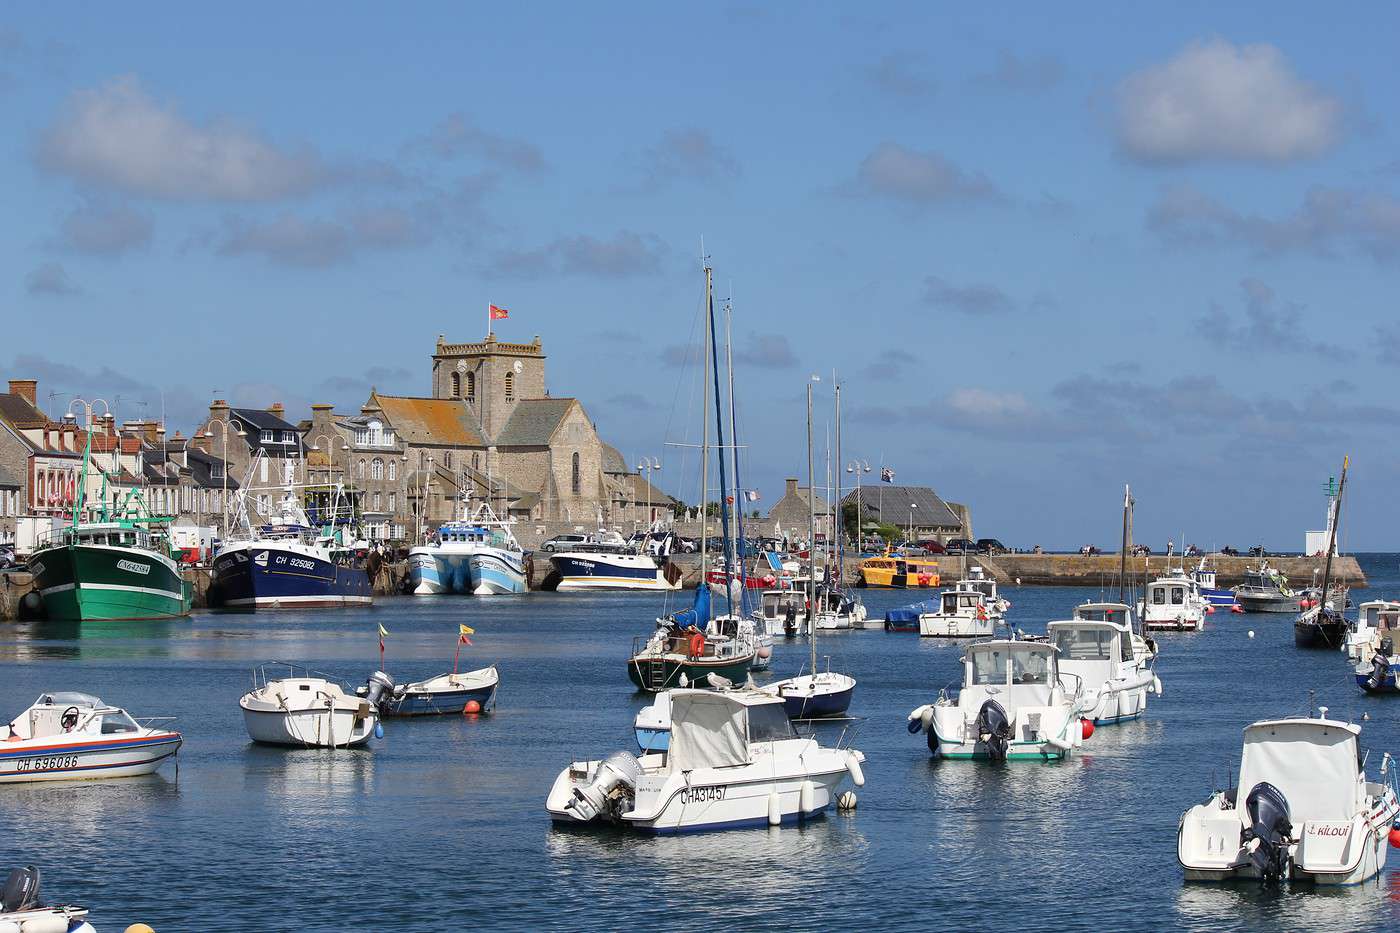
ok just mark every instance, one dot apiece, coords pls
pixel 909 614
pixel 698 614
pixel 1313 761
pixel 69 699
pixel 775 563
pixel 708 730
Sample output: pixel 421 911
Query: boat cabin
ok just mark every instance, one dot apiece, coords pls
pixel 63 713
pixel 778 604
pixel 101 534
pixel 977 582
pixel 1162 593
pixel 718 729
pixel 1118 614
pixel 1091 651
pixel 899 571
pixel 1014 673
pixel 960 602
pixel 1316 763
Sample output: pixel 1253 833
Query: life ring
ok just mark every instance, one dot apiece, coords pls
pixel 697 645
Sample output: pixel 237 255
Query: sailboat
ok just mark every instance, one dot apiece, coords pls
pixel 685 650
pixel 1323 625
pixel 817 693
pixel 119 567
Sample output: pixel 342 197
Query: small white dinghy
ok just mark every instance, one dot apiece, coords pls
pixel 74 736
pixel 733 761
pixel 21 911
pixel 306 710
pixel 1303 809
pixel 1012 705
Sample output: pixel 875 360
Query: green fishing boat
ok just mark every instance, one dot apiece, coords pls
pixel 118 566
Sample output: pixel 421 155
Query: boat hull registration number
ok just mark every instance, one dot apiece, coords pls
pixel 47 763
pixel 711 794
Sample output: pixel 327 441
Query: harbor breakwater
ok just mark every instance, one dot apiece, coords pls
pixel 1099 570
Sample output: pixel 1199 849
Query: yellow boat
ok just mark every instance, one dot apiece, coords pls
pixel 897 571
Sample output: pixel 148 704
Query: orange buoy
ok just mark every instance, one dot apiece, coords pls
pixel 1088 727
pixel 697 645
pixel 472 708
pixel 1395 836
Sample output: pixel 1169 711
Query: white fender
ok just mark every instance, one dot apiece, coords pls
pixel 1156 685
pixel 775 809
pixel 9 926
pixel 927 718
pixel 49 923
pixel 853 766
pixel 807 798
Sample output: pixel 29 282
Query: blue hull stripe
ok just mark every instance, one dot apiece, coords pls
pixel 75 749
pixel 240 581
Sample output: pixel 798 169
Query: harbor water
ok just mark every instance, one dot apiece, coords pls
pixel 441 826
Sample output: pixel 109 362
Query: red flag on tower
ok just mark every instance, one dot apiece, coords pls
pixel 499 314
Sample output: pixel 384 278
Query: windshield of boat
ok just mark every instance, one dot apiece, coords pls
pixel 1178 595
pixel 1084 644
pixel 988 666
pixel 1159 596
pixel 768 722
pixel 118 721
pixel 1030 667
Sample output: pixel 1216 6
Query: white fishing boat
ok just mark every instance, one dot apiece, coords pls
pixel 75 736
pixel 1097 657
pixel 611 566
pixel 960 614
pixel 1120 614
pixel 1012 705
pixel 733 761
pixel 477 555
pixel 306 710
pixel 21 911
pixel 782 611
pixel 1174 602
pixel 1372 617
pixel 838 609
pixel 1302 810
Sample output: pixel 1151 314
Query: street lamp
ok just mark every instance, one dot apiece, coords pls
pixel 425 487
pixel 858 467
pixel 649 464
pixel 72 419
pixel 330 459
pixel 223 435
pixel 912 507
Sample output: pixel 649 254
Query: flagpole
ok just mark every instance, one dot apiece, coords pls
pixel 456 654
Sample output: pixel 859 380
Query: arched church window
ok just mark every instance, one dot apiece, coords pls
pixel 575 482
pixel 456 385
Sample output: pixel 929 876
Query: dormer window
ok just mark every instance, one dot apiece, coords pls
pixel 267 437
pixel 289 437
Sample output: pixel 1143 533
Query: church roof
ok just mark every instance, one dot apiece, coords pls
pixel 533 422
pixel 431 421
pixel 613 461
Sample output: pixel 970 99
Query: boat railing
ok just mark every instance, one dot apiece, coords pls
pixel 295 669
pixel 148 721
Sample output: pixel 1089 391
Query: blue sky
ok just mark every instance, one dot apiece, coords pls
pixel 1048 253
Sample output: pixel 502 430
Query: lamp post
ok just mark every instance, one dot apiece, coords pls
pixel 858 467
pixel 223 435
pixel 425 486
pixel 72 419
pixel 330 457
pixel 912 507
pixel 649 464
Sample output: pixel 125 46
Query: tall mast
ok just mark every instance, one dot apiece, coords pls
pixel 835 506
pixel 735 567
pixel 1332 538
pixel 1123 548
pixel 705 435
pixel 719 449
pixel 811 537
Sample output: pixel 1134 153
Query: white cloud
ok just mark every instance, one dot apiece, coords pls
pixel 908 175
pixel 293 240
pixel 625 254
pixel 1215 100
pixel 987 403
pixel 118 137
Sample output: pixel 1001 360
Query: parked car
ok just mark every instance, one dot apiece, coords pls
pixel 563 543
pixel 991 546
pixel 7 557
pixel 1228 551
pixel 960 546
pixel 932 547
pixel 1258 551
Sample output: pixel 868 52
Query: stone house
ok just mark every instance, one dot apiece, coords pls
pixel 239 435
pixel 790 515
pixel 913 507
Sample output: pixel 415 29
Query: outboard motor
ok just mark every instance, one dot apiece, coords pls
pixel 378 689
pixel 21 890
pixel 994 729
pixel 1269 823
pixel 615 780
pixel 1380 665
pixel 790 622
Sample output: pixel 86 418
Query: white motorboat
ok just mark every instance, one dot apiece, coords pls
pixel 74 736
pixel 837 609
pixel 782 611
pixel 1097 657
pixel 733 761
pixel 1302 810
pixel 22 912
pixel 306 710
pixel 1372 617
pixel 1012 705
pixel 961 614
pixel 1174 602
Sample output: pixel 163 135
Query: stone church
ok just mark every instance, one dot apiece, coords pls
pixel 490 430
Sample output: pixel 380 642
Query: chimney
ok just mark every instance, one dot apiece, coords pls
pixel 791 487
pixel 27 389
pixel 276 409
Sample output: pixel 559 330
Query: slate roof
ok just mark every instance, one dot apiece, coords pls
pixel 256 420
pixel 17 410
pixel 534 421
pixel 434 422
pixel 7 480
pixel 613 461
pixel 201 473
pixel 932 511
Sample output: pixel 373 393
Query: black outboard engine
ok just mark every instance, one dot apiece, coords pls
pixel 21 890
pixel 1380 665
pixel 790 623
pixel 994 729
pixel 1269 823
pixel 378 689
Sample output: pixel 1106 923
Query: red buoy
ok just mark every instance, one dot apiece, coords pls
pixel 1395 836
pixel 1088 725
pixel 472 708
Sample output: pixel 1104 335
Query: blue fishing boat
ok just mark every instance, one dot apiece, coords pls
pixel 906 618
pixel 1214 594
pixel 477 554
